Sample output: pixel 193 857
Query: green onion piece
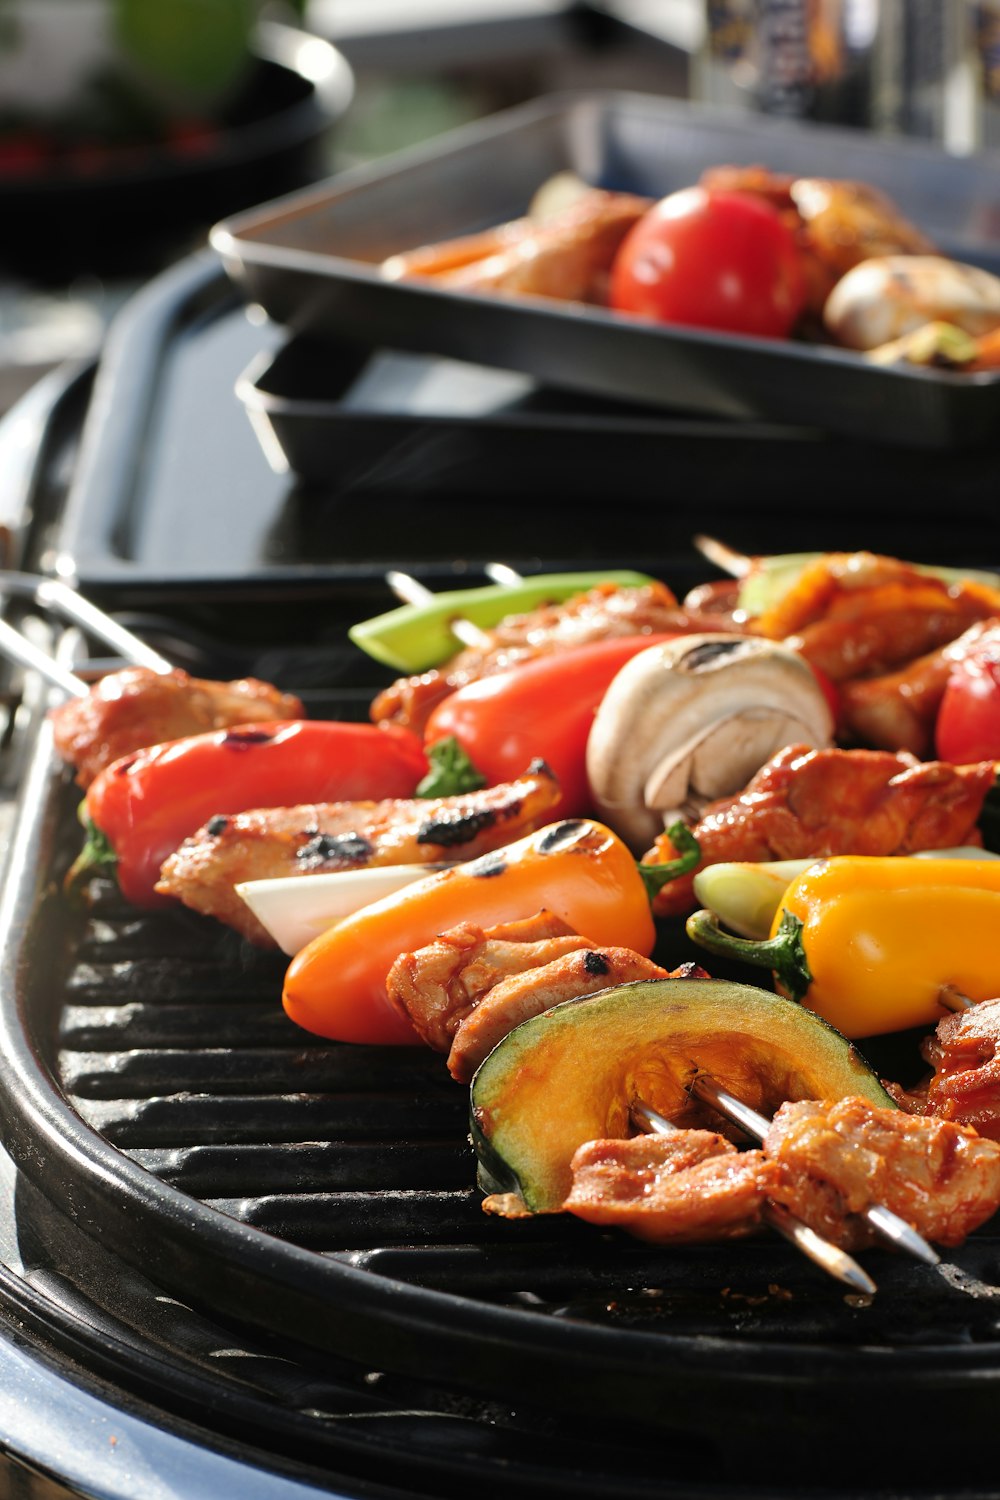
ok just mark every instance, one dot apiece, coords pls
pixel 416 637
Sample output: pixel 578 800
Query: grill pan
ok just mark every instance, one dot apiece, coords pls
pixel 308 1211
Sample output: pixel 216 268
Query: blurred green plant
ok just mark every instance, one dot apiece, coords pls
pixel 193 44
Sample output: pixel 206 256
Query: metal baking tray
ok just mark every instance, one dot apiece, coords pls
pixel 312 260
pixel 367 419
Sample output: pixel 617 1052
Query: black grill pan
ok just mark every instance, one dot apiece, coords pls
pixel 317 1202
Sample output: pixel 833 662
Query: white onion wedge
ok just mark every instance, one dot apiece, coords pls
pixel 297 908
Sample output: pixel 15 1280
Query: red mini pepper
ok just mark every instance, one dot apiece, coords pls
pixel 543 707
pixel 147 804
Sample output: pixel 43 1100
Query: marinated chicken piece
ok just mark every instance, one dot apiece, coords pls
pixel 468 988
pixel 600 613
pixel 965 1084
pixel 834 1158
pixel 322 837
pixel 898 711
pixel 859 614
pixel 128 710
pixel 567 257
pixel 690 1186
pixel 439 985
pixel 837 224
pixel 812 803
pixel 517 998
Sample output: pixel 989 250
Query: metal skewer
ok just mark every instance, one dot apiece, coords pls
pixel 59 599
pixel 886 1223
pixel 411 591
pixel 503 574
pixel 724 557
pixel 829 1257
pixel 16 647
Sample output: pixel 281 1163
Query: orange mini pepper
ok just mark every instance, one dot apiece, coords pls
pixel 577 869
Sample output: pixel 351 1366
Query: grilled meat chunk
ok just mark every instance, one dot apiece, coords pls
pixel 520 996
pixel 810 803
pixel 129 710
pixel 468 988
pixel 693 1185
pixel 438 986
pixel 859 614
pixel 602 612
pixel 833 1158
pixel 898 710
pixel 281 841
pixel 567 256
pixel 965 1084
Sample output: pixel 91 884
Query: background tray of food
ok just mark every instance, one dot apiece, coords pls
pixel 313 260
pixel 165 492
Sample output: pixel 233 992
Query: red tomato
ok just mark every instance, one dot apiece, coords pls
pixel 968 722
pixel 711 260
pixel 541 708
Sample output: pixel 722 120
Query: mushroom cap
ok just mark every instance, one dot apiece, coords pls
pixel 886 297
pixel 691 720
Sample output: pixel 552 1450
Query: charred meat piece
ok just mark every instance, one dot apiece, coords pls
pixel 811 803
pixel 606 611
pixel 693 1185
pixel 898 710
pixel 282 841
pixel 833 1159
pixel 859 614
pixel 136 707
pixel 965 1084
pixel 567 257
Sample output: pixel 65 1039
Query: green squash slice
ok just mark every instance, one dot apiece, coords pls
pixel 570 1074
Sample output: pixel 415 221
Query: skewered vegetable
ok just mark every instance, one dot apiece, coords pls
pixel 572 1074
pixel 543 707
pixel 692 720
pixel 415 637
pixel 968 720
pixel 336 986
pixel 745 896
pixel 294 913
pixel 602 612
pixel 871 944
pixel 145 805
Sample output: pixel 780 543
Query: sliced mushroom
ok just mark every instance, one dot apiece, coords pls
pixel 885 298
pixel 693 719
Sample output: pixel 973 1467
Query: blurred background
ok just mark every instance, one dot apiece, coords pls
pixel 127 127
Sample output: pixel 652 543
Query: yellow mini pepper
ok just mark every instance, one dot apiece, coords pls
pixel 871 944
